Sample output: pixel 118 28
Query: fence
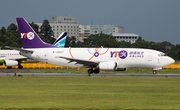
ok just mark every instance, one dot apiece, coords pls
pixel 54 107
pixel 173 66
pixel 36 65
pixel 45 65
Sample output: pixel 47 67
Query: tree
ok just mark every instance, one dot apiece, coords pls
pixel 46 29
pixel 99 40
pixel 35 27
pixel 3 31
pixel 141 43
pixel 70 42
pixel 123 44
pixel 12 27
pixel 46 32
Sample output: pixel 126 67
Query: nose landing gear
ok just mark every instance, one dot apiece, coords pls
pixel 154 72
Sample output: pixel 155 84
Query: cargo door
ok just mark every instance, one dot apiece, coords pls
pixel 45 55
pixel 149 56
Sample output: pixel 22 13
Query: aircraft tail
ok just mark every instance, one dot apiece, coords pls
pixel 29 37
pixel 61 40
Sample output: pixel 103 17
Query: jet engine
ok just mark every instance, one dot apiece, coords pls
pixel 108 66
pixel 10 63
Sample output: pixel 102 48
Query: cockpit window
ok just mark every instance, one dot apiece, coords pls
pixel 162 54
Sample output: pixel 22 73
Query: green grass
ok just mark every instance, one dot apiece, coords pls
pixel 82 92
pixel 84 70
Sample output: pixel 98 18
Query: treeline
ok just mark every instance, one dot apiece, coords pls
pixel 11 37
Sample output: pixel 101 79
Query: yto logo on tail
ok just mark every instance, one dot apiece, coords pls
pixel 29 35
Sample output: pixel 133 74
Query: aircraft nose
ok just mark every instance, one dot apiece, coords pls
pixel 171 60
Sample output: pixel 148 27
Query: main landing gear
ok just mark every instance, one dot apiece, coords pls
pixel 91 71
pixel 20 67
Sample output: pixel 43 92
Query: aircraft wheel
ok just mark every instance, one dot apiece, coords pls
pixel 90 71
pixel 96 71
pixel 9 67
pixel 154 72
pixel 20 67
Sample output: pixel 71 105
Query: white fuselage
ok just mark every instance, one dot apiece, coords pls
pixel 124 57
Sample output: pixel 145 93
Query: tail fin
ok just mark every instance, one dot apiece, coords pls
pixel 29 37
pixel 61 40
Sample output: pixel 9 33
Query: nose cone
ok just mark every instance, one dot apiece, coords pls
pixel 170 60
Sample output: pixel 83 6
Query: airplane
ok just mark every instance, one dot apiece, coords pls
pixel 104 59
pixel 11 58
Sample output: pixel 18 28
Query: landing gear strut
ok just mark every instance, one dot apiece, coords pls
pixel 20 67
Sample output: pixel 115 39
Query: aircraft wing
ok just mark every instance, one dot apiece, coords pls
pixel 16 58
pixel 80 61
pixel 22 50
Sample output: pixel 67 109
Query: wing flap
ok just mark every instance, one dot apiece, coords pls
pixel 80 61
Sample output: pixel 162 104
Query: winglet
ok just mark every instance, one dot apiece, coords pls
pixel 61 40
pixel 29 37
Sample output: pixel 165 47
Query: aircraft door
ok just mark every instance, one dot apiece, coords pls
pixel 45 55
pixel 159 60
pixel 150 56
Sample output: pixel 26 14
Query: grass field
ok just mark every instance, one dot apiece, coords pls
pixel 82 92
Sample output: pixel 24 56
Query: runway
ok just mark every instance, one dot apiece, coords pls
pixel 86 75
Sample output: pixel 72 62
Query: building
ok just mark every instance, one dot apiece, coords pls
pixel 127 37
pixel 84 30
pixel 69 24
pixel 64 24
pixel 118 30
pixel 106 29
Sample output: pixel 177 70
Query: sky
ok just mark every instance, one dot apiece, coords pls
pixel 153 20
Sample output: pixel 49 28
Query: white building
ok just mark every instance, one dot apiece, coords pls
pixel 118 30
pixel 127 37
pixel 64 24
pixel 106 29
pixel 69 24
pixel 86 30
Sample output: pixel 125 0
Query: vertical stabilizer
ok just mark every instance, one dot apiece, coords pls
pixel 61 40
pixel 29 37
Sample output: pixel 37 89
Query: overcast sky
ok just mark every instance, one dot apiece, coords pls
pixel 153 20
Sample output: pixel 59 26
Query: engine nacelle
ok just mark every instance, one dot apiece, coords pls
pixel 108 66
pixel 10 63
